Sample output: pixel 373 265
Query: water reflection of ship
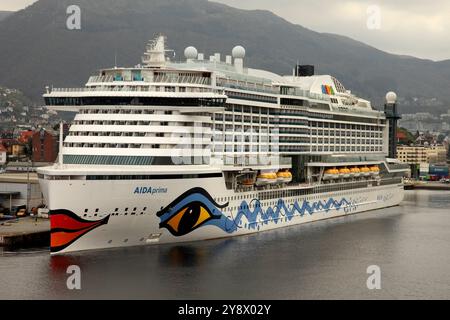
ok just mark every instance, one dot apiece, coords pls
pixel 191 255
pixel 59 264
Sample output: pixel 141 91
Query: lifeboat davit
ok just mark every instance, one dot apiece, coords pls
pixel 266 178
pixel 284 176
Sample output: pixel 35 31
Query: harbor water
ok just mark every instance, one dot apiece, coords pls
pixel 328 259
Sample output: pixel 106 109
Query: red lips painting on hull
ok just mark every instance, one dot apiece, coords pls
pixel 67 227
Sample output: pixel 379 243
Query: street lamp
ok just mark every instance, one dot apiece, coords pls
pixel 28 186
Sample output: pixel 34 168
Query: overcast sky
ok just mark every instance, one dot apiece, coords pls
pixel 419 28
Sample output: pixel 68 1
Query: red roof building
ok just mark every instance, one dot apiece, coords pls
pixel 401 135
pixel 25 136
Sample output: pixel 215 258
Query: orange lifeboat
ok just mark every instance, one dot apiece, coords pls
pixel 248 182
pixel 374 170
pixel 284 176
pixel 356 172
pixel 331 174
pixel 266 178
pixel 365 171
pixel 344 172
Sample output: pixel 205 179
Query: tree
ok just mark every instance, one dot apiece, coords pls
pixel 405 137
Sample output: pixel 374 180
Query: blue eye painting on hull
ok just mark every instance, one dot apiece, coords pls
pixel 196 208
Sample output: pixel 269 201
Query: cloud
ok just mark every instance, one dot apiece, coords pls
pixel 410 27
pixel 14 5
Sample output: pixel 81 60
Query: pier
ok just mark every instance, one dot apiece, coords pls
pixel 420 185
pixel 25 233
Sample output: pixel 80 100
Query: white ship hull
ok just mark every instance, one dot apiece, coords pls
pixel 105 214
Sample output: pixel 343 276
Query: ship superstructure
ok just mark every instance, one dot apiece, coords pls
pixel 206 148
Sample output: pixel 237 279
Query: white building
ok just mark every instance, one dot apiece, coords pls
pixel 18 189
pixel 2 155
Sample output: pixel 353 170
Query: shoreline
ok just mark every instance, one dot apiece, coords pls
pixel 436 186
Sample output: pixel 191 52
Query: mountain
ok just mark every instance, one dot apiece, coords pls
pixel 38 50
pixel 14 107
pixel 4 14
pixel 13 99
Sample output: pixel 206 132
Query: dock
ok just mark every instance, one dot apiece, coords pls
pixel 25 232
pixel 419 185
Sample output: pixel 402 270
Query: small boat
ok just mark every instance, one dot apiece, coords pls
pixel 284 176
pixel 266 178
pixel 331 174
pixel 328 175
pixel 374 170
pixel 344 172
pixel 248 182
pixel 356 172
pixel 365 171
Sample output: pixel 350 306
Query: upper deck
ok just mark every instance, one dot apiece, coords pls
pixel 209 79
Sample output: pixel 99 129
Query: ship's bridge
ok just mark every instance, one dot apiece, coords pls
pixel 169 88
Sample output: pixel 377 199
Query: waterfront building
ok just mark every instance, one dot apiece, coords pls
pixel 422 154
pixel 20 189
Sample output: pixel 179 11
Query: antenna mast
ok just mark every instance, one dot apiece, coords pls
pixel 155 54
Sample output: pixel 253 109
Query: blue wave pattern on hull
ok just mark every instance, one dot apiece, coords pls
pixel 274 214
pixel 196 208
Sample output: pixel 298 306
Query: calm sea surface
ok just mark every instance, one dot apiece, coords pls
pixel 322 260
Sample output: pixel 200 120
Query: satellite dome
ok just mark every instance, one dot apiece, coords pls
pixel 391 97
pixel 190 53
pixel 238 52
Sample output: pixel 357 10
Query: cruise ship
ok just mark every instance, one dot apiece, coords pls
pixel 176 151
